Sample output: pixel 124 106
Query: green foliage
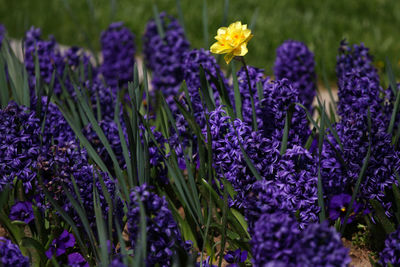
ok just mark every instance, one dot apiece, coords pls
pixel 80 22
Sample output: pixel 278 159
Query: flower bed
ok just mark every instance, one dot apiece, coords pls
pixel 98 170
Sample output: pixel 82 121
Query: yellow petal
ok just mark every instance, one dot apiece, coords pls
pixel 242 50
pixel 248 38
pixel 228 57
pixel 218 48
pixel 222 31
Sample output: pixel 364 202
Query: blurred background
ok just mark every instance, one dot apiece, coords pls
pixel 319 24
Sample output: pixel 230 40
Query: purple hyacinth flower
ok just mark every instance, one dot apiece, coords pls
pixel 77 260
pixel 338 207
pixel 391 251
pixel 295 62
pixel 235 257
pixel 22 211
pixel 10 254
pixel 59 245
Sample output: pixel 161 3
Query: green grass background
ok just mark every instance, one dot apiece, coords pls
pixel 320 24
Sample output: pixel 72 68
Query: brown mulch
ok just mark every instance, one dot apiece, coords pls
pixel 359 256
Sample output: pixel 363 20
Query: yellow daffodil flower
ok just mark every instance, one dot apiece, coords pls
pixel 232 41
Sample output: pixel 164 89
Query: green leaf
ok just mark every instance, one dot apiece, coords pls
pixel 383 219
pixel 160 28
pixel 4 94
pixel 238 98
pixel 101 229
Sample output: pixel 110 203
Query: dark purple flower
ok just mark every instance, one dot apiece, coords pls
pixel 358 94
pixel 295 62
pixel 338 208
pixel 163 236
pixel 118 50
pixel 320 245
pixel 110 130
pixel 191 69
pixel 60 245
pixel 76 58
pixel 278 97
pixel 57 166
pixel 356 59
pixel 75 259
pixel 256 76
pixel 117 262
pixel 10 254
pixel 56 129
pixel 49 58
pixel 277 239
pixel 164 56
pixel 206 263
pixel 340 171
pixel 235 257
pixel 19 146
pixel 274 239
pixel 228 157
pixel 391 251
pixel 292 188
pixel 22 211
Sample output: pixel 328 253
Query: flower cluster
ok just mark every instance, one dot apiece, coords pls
pixel 103 98
pixel 340 173
pixel 22 211
pixel 295 62
pixel 56 129
pixel 19 146
pixel 60 245
pixel 277 239
pixel 58 165
pixel 164 55
pixel 10 255
pixel 256 76
pixel 118 50
pixel 163 236
pixel 358 94
pixel 391 252
pixel 357 59
pixel 291 189
pixel 49 58
pixel 75 259
pixel 110 130
pixel 192 60
pixel 227 139
pixel 279 96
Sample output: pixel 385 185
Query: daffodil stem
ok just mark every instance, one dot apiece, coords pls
pixel 254 118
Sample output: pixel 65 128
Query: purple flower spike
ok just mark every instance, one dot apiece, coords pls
pixel 10 254
pixel 391 252
pixel 295 62
pixel 118 50
pixel 59 246
pixel 77 260
pixel 22 211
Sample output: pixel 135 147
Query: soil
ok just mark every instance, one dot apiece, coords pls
pixel 359 256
